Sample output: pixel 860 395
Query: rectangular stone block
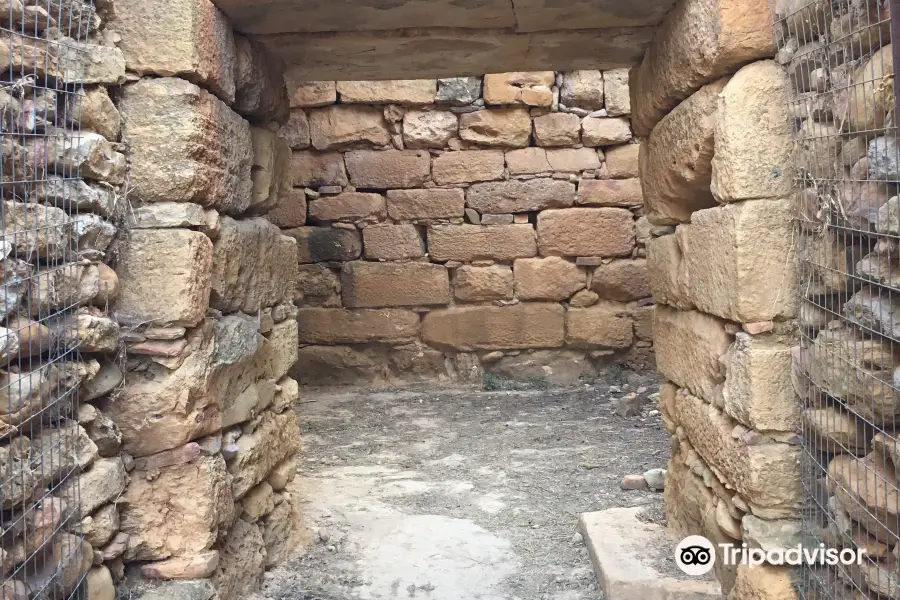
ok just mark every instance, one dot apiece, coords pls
pixel 622 162
pixel 504 127
pixel 321 244
pixel 371 285
pixel 586 232
pixel 676 159
pixel 526 325
pixel 283 339
pixel 467 166
pixel 740 261
pixel 698 42
pixel 690 350
pixel 254 266
pixel 393 242
pixel 527 161
pixel 604 325
pixel 765 473
pixel 391 91
pixel 342 126
pixel 557 129
pixel 605 131
pixel 758 390
pixel 617 87
pixel 412 205
pixel 382 169
pixel 191 39
pixel 483 284
pixel 531 88
pixel 466 243
pixel 753 113
pixel 260 93
pixel 164 277
pixel 308 94
pixel 165 121
pixel 622 280
pixel 504 197
pixel 290 210
pixel 551 278
pixel 349 206
pixel 667 273
pixel 573 160
pixel 315 169
pixel 340 326
pixel 610 192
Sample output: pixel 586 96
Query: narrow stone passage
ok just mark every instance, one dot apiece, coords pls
pixel 457 495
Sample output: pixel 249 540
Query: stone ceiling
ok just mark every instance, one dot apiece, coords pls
pixel 391 39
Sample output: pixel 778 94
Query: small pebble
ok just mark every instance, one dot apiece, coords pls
pixel 577 539
pixel 614 389
pixel 331 548
pixel 653 413
pixel 324 535
pixel 633 482
pixel 642 390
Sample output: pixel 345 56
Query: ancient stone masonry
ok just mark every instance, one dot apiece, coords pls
pixel 453 225
pixel 715 173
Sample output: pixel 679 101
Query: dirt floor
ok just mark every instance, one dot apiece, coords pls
pixel 463 494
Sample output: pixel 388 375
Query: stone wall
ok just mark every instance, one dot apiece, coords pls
pixel 449 226
pixel 717 168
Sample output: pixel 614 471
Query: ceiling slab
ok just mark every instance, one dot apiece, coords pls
pixel 430 53
pixel 545 15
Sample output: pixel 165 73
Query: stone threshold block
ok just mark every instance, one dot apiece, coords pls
pixel 627 554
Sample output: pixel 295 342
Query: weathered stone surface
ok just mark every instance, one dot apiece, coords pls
pixel 349 206
pixel 389 91
pixel 96 112
pixel 557 129
pixel 466 243
pixel 622 280
pixel 177 513
pixel 429 129
pixel 296 131
pixel 50 241
pixel 254 266
pixel 103 482
pixel 575 232
pixel 868 102
pixel 283 355
pixel 753 113
pixel 573 160
pixel 101 526
pixel 275 438
pixel 166 215
pixel 165 120
pixel 873 310
pixel 317 285
pixel 623 162
pixel 341 126
pixel 835 431
pixel 764 582
pixel 316 169
pixel 242 562
pixel 388 168
pixel 583 89
pixel 290 211
pixel 372 285
pixel 866 488
pixel 556 366
pixel 698 42
pixel 515 196
pixel 467 167
pixel 766 474
pixel 74 194
pixel 689 346
pixel 199 566
pixel 99 584
pixel 483 284
pixel 341 326
pixel 339 365
pixel 616 87
pixel 610 192
pixel 393 242
pixel 527 161
pixel 604 325
pixel 458 91
pixel 319 244
pixel 187 39
pixel 739 261
pixel 305 94
pixel 605 131
pixel 676 160
pixel 282 532
pixel 519 87
pixel 551 278
pixel 165 277
pixel 529 325
pixel 270 172
pixel 758 391
pixel 260 91
pixel 409 205
pixel 506 127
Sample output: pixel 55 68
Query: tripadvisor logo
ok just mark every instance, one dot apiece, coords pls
pixel 696 555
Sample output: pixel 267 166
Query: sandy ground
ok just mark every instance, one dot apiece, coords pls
pixel 462 494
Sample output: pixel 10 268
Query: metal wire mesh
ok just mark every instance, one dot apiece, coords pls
pixel 41 555
pixel 839 58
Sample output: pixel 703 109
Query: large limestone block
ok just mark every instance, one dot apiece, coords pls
pixel 242 562
pixel 254 266
pixel 316 169
pixel 520 87
pixel 483 284
pixel 283 531
pixel 275 438
pixel 758 391
pixel 375 285
pixel 186 146
pixel 179 511
pixel 551 278
pixel 753 114
pixel 341 326
pixel 698 42
pixel 604 325
pixel 527 325
pixel 466 243
pixel 765 473
pixel 388 168
pixel 467 167
pixel 583 89
pixel 622 280
pixel 676 160
pixel 429 128
pixel 412 205
pixel 689 349
pixel 260 92
pixel 740 261
pixel 393 242
pixel 185 38
pixel 505 127
pixel 390 91
pixel 503 197
pixel 164 276
pixel 342 126
pixel 586 232
pixel 320 244
pixel 349 206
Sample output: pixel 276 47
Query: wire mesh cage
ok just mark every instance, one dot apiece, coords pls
pixel 840 62
pixel 42 449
